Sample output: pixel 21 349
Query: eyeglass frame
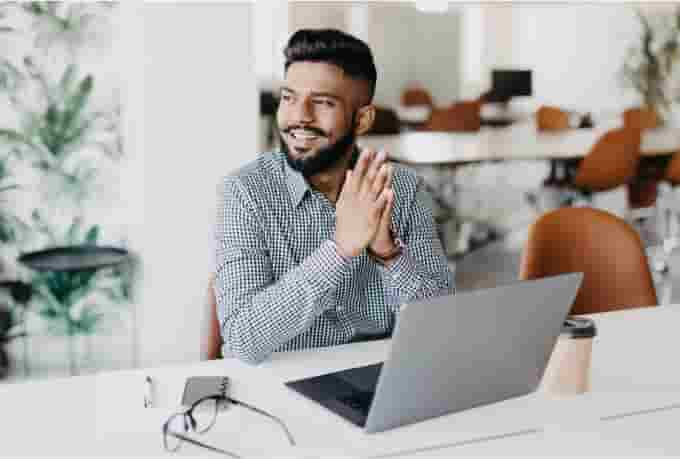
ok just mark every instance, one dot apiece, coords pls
pixel 188 414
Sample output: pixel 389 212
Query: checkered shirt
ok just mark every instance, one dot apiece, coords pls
pixel 282 285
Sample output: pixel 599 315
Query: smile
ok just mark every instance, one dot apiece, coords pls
pixel 304 134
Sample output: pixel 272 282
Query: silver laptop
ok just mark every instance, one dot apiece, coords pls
pixel 452 353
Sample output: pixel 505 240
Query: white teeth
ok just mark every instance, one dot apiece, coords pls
pixel 306 135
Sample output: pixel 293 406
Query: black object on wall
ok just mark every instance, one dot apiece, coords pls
pixel 507 83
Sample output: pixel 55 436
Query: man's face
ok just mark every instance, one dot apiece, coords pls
pixel 317 116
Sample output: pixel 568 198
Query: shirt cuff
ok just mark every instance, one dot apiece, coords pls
pixel 403 268
pixel 327 265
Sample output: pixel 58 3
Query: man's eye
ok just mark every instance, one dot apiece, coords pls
pixel 325 102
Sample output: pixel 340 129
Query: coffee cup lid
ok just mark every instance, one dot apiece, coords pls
pixel 579 327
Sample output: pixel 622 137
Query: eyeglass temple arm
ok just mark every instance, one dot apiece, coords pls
pixel 264 413
pixel 201 444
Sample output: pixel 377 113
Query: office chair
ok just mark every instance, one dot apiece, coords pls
pixel 610 163
pixel 416 95
pixel 386 122
pixel 643 191
pixel 211 345
pixel 551 119
pixel 604 247
pixel 464 116
pixel 672 172
pixel 640 118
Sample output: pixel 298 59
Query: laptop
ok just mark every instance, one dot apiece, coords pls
pixel 452 353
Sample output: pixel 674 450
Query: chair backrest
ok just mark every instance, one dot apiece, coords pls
pixel 551 119
pixel 416 95
pixel 640 118
pixel 211 345
pixel 462 116
pixel 611 162
pixel 602 246
pixel 672 172
pixel 386 122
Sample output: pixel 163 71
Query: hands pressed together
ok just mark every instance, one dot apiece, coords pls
pixel 364 208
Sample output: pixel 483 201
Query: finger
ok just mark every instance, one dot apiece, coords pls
pixel 347 185
pixel 379 204
pixel 390 174
pixel 380 180
pixel 386 219
pixel 372 172
pixel 361 167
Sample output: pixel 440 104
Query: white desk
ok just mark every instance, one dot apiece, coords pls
pixel 634 367
pixel 515 142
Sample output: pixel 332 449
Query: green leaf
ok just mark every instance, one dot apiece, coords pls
pixel 67 78
pixel 87 322
pixel 34 8
pixel 73 230
pixel 14 136
pixel 75 103
pixel 92 235
pixel 8 187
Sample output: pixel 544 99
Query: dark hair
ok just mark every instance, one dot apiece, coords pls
pixel 335 47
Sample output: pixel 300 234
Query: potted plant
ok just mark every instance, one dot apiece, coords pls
pixel 75 302
pixel 650 65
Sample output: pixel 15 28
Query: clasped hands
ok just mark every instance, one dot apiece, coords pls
pixel 363 212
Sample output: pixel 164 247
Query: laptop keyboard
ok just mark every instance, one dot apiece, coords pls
pixel 359 400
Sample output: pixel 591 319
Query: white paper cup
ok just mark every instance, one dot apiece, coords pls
pixel 568 370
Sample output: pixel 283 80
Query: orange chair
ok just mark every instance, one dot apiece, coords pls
pixel 551 119
pixel 611 162
pixel 416 95
pixel 602 246
pixel 459 117
pixel 672 172
pixel 386 122
pixel 640 118
pixel 211 347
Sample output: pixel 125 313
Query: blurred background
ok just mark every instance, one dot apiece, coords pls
pixel 117 121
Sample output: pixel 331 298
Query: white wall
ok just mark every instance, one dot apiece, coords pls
pixel 408 45
pixel 318 15
pixel 575 51
pixel 190 113
pixel 269 33
pixel 411 46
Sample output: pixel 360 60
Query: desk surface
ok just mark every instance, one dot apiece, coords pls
pixel 634 368
pixel 515 142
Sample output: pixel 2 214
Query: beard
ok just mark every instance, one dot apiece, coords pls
pixel 325 158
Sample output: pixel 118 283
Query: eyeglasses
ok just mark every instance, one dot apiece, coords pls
pixel 200 417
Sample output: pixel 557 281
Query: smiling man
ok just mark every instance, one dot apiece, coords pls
pixel 320 243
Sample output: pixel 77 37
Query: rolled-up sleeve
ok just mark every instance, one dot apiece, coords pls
pixel 257 315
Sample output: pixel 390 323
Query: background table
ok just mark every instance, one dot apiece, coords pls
pixel 519 141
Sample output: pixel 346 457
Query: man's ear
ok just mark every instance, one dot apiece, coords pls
pixel 365 118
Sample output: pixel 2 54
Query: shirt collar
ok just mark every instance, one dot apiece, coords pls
pixel 297 183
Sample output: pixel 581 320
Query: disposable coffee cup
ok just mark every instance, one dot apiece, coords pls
pixel 568 370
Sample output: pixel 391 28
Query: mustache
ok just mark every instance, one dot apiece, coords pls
pixel 314 130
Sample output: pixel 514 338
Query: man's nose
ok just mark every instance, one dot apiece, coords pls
pixel 303 112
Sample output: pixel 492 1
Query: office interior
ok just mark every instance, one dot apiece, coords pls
pixel 191 92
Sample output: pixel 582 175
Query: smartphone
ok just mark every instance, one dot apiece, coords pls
pixel 197 387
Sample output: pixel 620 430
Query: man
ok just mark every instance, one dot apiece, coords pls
pixel 317 244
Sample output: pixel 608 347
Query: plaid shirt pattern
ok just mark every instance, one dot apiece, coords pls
pixel 282 285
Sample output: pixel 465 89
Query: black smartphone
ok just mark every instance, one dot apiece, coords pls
pixel 197 387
